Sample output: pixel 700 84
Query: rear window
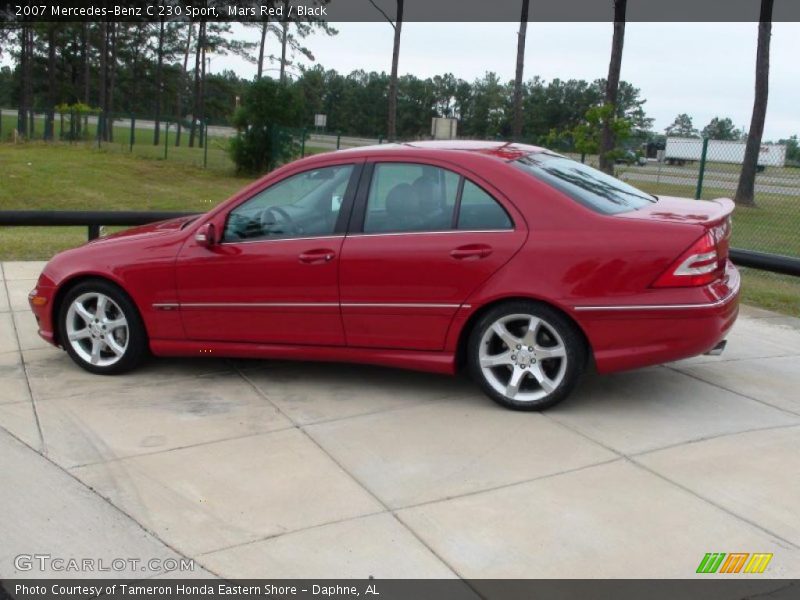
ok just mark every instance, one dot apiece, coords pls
pixel 590 187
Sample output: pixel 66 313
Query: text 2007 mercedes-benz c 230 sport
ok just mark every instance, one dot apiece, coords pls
pixel 518 263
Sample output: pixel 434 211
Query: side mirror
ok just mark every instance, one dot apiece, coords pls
pixel 205 235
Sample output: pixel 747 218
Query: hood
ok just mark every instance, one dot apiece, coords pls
pixel 683 210
pixel 150 229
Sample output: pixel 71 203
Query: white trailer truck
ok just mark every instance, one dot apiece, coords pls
pixel 682 150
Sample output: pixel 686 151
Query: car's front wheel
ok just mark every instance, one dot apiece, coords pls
pixel 526 355
pixel 101 329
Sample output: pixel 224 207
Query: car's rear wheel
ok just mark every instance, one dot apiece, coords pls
pixel 101 329
pixel 526 355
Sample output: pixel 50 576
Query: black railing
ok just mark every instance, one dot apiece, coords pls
pixel 775 263
pixel 94 219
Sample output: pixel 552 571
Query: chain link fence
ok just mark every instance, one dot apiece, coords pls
pixel 708 169
pixel 138 135
pixel 166 138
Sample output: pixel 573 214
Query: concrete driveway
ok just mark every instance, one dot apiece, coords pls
pixel 281 470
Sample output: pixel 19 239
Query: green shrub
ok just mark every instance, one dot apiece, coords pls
pixel 76 115
pixel 267 125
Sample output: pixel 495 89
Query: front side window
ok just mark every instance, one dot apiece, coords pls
pixel 303 205
pixel 590 187
pixel 405 197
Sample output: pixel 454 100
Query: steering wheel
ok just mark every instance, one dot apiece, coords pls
pixel 275 217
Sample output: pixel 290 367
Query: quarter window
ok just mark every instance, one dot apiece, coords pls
pixel 410 197
pixel 303 205
pixel 479 210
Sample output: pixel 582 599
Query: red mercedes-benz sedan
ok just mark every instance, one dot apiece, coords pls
pixel 520 264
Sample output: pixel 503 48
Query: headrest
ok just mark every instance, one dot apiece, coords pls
pixel 402 200
pixel 426 189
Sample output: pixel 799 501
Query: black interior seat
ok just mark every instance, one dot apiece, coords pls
pixel 402 209
pixel 433 208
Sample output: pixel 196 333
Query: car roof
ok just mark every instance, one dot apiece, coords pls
pixel 498 149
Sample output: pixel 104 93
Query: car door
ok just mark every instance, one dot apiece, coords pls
pixel 422 238
pixel 273 276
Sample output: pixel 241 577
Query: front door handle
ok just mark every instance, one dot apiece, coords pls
pixel 471 252
pixel 318 255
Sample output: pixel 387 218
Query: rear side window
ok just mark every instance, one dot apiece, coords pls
pixel 590 187
pixel 410 197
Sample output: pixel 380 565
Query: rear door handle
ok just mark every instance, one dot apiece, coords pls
pixel 318 255
pixel 471 252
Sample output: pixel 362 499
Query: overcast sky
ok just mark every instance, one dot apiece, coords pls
pixel 704 69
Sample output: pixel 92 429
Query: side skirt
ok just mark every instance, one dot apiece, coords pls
pixel 433 362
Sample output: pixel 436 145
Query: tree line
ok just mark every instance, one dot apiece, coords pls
pixel 121 67
pixel 159 70
pixel 357 103
pixel 155 68
pixel 606 116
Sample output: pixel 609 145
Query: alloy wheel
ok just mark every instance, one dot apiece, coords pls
pixel 97 329
pixel 522 357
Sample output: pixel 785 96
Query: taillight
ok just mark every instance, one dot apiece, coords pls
pixel 722 235
pixel 699 265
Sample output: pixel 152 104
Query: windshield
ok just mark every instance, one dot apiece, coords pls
pixel 592 188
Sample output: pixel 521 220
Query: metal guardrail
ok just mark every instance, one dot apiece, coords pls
pixel 775 263
pixel 94 219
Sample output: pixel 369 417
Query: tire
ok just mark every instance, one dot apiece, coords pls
pixel 107 342
pixel 523 368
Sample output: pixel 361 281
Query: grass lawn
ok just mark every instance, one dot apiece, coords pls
pixel 216 156
pixel 780 293
pixel 39 176
pixel 59 176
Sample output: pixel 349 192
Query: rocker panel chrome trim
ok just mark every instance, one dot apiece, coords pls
pixel 171 306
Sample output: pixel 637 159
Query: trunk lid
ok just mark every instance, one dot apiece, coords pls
pixel 714 215
pixel 684 210
pixel 712 247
